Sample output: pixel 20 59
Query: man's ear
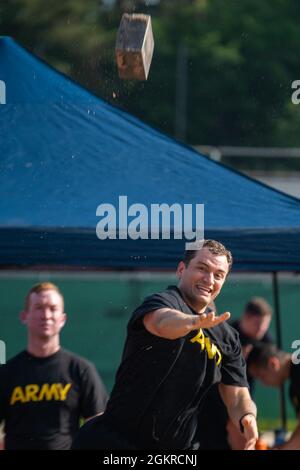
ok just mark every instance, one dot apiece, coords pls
pixel 63 319
pixel 274 363
pixel 180 269
pixel 23 317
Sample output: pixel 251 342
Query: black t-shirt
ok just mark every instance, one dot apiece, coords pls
pixel 246 340
pixel 160 383
pixel 213 417
pixel 294 387
pixel 42 399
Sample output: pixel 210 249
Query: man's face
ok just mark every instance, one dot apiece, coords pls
pixel 45 316
pixel 255 326
pixel 201 281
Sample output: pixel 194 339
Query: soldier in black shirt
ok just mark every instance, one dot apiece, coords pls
pixel 45 390
pixel 174 352
pixel 273 367
pixel 253 326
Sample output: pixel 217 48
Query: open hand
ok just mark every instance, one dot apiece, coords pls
pixel 250 431
pixel 209 320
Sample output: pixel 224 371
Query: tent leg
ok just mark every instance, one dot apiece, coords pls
pixel 279 345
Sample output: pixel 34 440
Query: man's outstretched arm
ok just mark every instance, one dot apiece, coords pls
pixel 172 324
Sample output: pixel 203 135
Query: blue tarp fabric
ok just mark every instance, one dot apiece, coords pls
pixel 64 151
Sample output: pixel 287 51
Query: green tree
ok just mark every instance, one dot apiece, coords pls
pixel 242 57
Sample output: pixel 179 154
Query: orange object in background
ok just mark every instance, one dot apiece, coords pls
pixel 261 444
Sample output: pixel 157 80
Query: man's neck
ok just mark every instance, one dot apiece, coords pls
pixel 40 348
pixel 243 328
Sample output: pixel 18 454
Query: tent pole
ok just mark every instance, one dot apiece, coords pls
pixel 279 345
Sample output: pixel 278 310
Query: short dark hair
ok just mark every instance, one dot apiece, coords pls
pixel 215 247
pixel 257 306
pixel 261 353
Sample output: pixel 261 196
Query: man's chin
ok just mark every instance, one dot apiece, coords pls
pixel 45 335
pixel 203 299
pixel 201 302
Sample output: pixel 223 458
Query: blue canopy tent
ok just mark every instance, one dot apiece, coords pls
pixel 64 151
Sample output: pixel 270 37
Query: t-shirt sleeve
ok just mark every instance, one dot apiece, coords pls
pixel 233 367
pixel 151 303
pixel 93 392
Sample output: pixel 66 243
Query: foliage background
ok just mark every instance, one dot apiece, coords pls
pixel 242 57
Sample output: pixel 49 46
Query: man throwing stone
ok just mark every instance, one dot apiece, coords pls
pixel 174 351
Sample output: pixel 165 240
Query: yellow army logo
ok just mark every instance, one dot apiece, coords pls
pixel 35 392
pixel 205 343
